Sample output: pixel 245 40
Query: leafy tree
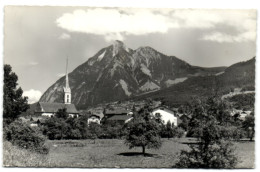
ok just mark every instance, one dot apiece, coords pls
pixel 213 149
pixel 82 125
pixel 205 110
pixel 56 128
pixel 167 130
pixel 62 113
pixel 143 131
pixel 184 124
pixel 14 103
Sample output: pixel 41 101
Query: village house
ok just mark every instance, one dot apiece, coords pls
pixel 50 109
pixel 121 119
pixel 240 114
pixel 96 116
pixel 118 114
pixel 109 112
pixel 93 118
pixel 166 115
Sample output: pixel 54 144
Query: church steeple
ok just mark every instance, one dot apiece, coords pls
pixel 67 91
pixel 67 78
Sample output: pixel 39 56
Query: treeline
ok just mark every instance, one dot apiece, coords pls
pixel 61 126
pixel 57 128
pixel 243 101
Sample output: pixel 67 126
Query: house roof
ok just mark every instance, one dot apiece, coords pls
pixel 116 111
pixel 100 115
pixel 94 115
pixel 119 118
pixel 164 109
pixel 54 107
pixel 97 112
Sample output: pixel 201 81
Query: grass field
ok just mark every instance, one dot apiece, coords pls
pixel 114 154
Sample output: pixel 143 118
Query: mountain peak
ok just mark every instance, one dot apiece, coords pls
pixel 117 45
pixel 118 42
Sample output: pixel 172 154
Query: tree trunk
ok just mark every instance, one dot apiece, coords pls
pixel 252 135
pixel 143 150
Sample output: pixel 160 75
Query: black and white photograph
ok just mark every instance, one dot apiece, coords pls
pixel 128 87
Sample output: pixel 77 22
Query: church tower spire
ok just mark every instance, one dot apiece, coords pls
pixel 66 89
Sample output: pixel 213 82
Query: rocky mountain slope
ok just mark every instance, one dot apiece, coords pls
pixel 117 73
pixel 238 76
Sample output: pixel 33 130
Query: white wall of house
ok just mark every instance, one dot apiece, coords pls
pixel 94 120
pixel 52 114
pixel 166 116
pixel 34 125
pixel 73 115
pixel 48 114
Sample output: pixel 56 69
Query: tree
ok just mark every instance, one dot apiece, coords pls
pixel 143 131
pixel 213 148
pixel 167 130
pixel 14 103
pixel 184 124
pixel 56 128
pixel 62 113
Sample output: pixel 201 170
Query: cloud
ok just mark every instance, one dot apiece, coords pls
pixel 65 36
pixel 117 23
pixel 222 37
pixel 243 23
pixel 33 95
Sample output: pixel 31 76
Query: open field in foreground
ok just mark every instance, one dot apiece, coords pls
pixel 114 154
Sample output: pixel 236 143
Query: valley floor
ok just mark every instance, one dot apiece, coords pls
pixel 113 153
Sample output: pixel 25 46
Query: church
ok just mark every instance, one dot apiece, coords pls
pixel 49 109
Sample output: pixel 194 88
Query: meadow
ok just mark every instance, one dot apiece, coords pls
pixel 113 153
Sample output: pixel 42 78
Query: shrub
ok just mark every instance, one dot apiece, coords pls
pixel 218 155
pixel 232 132
pixel 24 136
pixel 178 132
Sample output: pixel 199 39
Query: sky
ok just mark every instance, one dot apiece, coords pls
pixel 37 40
